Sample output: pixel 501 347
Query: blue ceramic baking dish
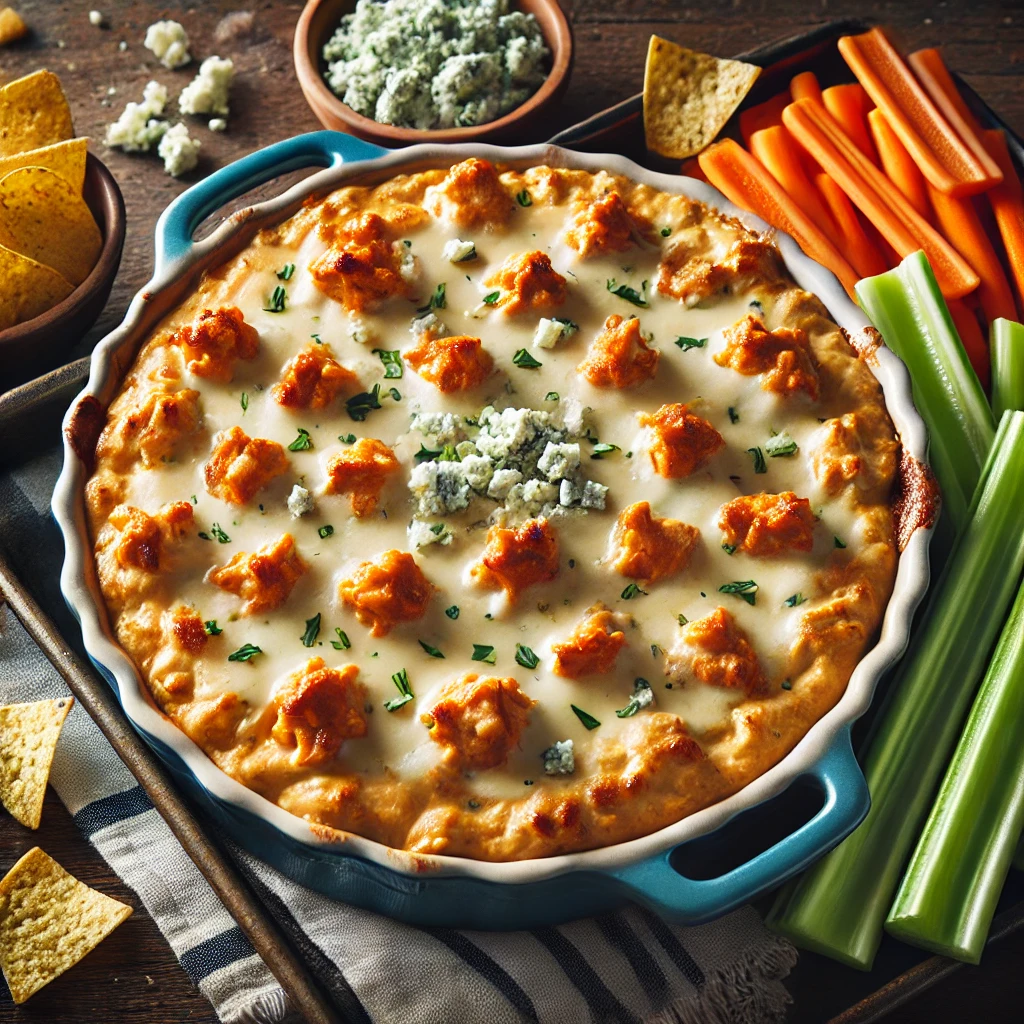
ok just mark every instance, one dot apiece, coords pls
pixel 449 891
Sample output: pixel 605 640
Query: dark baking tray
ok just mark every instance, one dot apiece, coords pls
pixel 823 990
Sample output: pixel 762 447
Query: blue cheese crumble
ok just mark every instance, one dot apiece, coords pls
pixel 178 150
pixel 559 758
pixel 300 502
pixel 207 93
pixel 527 461
pixel 168 42
pixel 139 127
pixel 435 64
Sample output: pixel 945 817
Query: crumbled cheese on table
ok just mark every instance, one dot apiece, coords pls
pixel 179 151
pixel 207 93
pixel 168 42
pixel 139 128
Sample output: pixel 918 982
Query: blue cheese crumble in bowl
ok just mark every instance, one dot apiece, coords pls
pixel 402 71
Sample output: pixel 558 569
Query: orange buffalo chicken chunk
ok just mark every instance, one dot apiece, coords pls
pixel 513 560
pixel 262 580
pixel 451 364
pixel 240 465
pixel 478 721
pixel 688 272
pixel 527 281
pixel 472 196
pixel 720 654
pixel 143 537
pixel 318 708
pixel 361 472
pixel 619 357
pixel 386 591
pixel 312 380
pixel 602 226
pixel 362 267
pixel 154 428
pixel 646 547
pixel 682 441
pixel 592 647
pixel 782 358
pixel 768 524
pixel 214 340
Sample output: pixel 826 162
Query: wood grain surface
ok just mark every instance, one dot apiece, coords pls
pixel 133 977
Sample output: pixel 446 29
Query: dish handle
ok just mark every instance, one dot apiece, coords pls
pixel 657 884
pixel 317 149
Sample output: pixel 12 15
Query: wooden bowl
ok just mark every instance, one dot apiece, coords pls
pixel 39 344
pixel 320 18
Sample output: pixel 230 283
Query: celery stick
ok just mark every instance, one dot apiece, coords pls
pixel 1007 345
pixel 906 305
pixel 837 907
pixel 952 884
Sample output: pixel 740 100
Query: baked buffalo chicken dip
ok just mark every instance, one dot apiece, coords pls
pixel 497 513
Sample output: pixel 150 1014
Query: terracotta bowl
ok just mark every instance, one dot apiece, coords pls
pixel 320 18
pixel 30 348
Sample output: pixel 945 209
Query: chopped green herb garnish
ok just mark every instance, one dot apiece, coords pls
pixel 245 653
pixel 780 445
pixel 303 443
pixel 526 657
pixel 342 643
pixel 317 338
pixel 392 361
pixel 642 697
pixel 794 599
pixel 432 651
pixel 312 631
pixel 347 438
pixel 623 291
pixel 729 549
pixel 277 301
pixel 744 589
pixel 437 529
pixel 838 543
pixel 734 416
pixel 491 298
pixel 682 619
pixel 436 301
pixel 551 396
pixel 426 454
pixel 401 680
pixel 589 721
pixel 525 361
pixel 285 273
pixel 569 327
pixel 760 466
pixel 221 536
pixel 211 627
pixel 244 402
pixel 483 652
pixel 407 242
pixel 687 343
pixel 395 394
pixel 631 591
pixel 195 500
pixel 666 231
pixel 452 611
pixel 325 531
pixel 786 684
pixel 602 449
pixel 360 406
pixel 524 198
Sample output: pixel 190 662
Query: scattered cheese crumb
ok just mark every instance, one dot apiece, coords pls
pixel 111 91
pixel 456 250
pixel 96 18
pixel 550 332
pixel 300 501
pixel 138 128
pixel 559 758
pixel 168 41
pixel 207 93
pixel 123 45
pixel 179 151
pixel 218 124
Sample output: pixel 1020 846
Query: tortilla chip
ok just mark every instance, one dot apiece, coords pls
pixel 44 218
pixel 28 289
pixel 33 112
pixel 48 921
pixel 689 96
pixel 28 739
pixel 64 158
pixel 12 28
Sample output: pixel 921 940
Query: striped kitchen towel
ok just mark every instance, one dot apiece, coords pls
pixel 623 968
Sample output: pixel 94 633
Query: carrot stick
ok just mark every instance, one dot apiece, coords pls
pixel 973 340
pixel 805 86
pixel 764 115
pixel 733 171
pixel 950 165
pixel 775 148
pixel 958 221
pixel 849 105
pixel 933 74
pixel 856 246
pixel 875 196
pixel 898 164
pixel 1007 201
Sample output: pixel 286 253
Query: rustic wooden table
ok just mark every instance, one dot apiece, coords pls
pixel 133 976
